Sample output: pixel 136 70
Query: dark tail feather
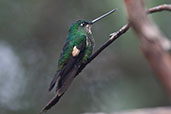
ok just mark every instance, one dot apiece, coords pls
pixel 65 82
pixel 53 82
pixel 51 103
pixel 63 87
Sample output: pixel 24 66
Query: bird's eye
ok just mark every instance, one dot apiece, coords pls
pixel 82 24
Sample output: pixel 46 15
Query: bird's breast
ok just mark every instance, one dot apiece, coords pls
pixel 90 41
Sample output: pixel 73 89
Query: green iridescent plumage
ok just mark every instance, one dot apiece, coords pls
pixel 77 36
pixel 77 49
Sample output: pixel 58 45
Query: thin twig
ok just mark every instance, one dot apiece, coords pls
pixel 116 35
pixel 164 7
pixel 112 38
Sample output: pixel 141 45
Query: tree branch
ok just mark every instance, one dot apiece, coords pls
pixel 112 38
pixel 158 110
pixel 164 7
pixel 154 45
pixel 116 35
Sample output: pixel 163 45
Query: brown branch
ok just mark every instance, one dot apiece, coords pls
pixel 112 38
pixel 164 7
pixel 153 43
pixel 158 110
pixel 120 32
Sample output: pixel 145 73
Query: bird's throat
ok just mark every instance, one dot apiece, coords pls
pixel 88 29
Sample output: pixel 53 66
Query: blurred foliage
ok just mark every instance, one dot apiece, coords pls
pixel 32 33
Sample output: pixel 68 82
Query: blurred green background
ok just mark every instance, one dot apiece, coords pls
pixel 32 33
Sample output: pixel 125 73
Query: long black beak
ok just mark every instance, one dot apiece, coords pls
pixel 97 19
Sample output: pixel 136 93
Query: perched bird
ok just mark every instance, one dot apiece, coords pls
pixel 77 49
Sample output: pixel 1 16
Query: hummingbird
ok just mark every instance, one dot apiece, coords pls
pixel 77 49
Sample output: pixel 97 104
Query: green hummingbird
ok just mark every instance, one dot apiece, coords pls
pixel 77 49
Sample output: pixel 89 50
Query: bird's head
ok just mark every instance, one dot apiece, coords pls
pixel 81 26
pixel 84 27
